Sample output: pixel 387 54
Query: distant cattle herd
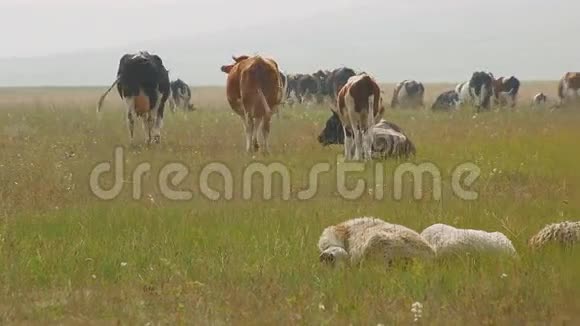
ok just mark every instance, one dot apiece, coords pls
pixel 256 87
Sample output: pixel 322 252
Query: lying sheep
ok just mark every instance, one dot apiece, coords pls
pixel 565 234
pixel 447 240
pixel 364 238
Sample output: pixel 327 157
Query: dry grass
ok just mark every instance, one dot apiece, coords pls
pixel 70 258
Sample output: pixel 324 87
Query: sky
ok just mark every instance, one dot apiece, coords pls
pixel 67 43
pixel 43 27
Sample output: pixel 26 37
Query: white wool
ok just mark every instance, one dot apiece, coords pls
pixel 360 238
pixel 446 240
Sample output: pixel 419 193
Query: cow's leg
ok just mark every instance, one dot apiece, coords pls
pixel 367 143
pixel 147 126
pixel 130 105
pixel 348 143
pixel 249 128
pixel 131 126
pixel 256 133
pixel 265 133
pixel 155 118
pixel 172 104
pixel 357 142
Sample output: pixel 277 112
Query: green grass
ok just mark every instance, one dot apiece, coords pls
pixel 69 258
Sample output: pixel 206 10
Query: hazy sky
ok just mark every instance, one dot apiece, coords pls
pixel 79 42
pixel 40 27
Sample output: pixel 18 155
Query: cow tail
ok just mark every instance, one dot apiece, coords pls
pixel 100 103
pixel 264 103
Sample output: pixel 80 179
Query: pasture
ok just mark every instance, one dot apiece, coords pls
pixel 68 257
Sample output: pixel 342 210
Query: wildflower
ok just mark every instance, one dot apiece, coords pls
pixel 417 310
pixel 504 275
pixel 123 264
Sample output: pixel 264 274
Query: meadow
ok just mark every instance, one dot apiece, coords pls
pixel 70 258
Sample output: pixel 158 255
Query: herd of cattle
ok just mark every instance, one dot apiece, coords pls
pixel 256 87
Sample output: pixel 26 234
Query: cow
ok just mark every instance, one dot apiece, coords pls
pixel 180 96
pixel 143 84
pixel 307 88
pixel 359 107
pixel 284 85
pixel 336 79
pixel 568 88
pixel 408 94
pixel 539 100
pixel 446 101
pixel 477 91
pixel 292 81
pixel 389 140
pixel 254 93
pixel 505 90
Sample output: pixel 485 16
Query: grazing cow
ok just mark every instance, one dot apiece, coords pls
pixel 336 79
pixel 359 108
pixel 408 94
pixel 143 83
pixel 568 87
pixel 308 87
pixel 389 140
pixel 539 100
pixel 477 91
pixel 180 96
pixel 254 93
pixel 506 91
pixel 446 101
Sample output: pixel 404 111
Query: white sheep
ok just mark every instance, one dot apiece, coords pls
pixel 447 240
pixel 565 233
pixel 365 238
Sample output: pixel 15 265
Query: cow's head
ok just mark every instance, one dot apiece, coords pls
pixel 333 132
pixel 227 68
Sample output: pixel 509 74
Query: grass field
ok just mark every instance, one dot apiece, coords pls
pixel 68 257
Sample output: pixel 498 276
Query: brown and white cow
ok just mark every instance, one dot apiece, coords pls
pixel 568 87
pixel 254 92
pixel 359 107
pixel 505 91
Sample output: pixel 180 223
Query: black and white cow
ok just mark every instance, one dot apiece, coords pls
pixel 389 140
pixel 408 94
pixel 180 96
pixel 292 88
pixel 308 87
pixel 143 84
pixel 446 101
pixel 477 91
pixel 336 79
